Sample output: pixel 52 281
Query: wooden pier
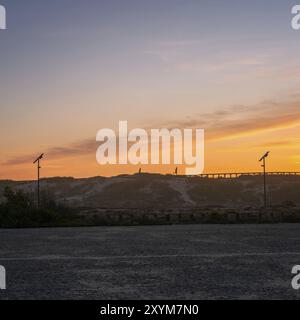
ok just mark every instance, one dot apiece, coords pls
pixel 235 175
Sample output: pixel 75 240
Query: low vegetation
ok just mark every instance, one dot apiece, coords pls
pixel 19 211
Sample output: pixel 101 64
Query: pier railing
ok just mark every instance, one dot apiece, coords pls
pixel 235 175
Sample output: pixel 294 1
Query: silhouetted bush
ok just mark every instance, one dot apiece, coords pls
pixel 18 210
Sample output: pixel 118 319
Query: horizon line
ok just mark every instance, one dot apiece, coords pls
pixel 202 175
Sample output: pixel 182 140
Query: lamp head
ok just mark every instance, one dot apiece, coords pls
pixel 264 156
pixel 38 158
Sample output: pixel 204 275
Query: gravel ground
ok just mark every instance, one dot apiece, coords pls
pixel 151 262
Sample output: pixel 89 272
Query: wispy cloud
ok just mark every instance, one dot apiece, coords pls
pixel 243 120
pixel 170 51
pixel 179 43
pixel 196 56
pixel 232 122
pixel 84 147
pixel 294 143
pixel 223 64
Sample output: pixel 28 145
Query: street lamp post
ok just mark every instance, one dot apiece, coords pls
pixel 263 160
pixel 37 161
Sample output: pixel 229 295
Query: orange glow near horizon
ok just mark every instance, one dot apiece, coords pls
pixel 234 154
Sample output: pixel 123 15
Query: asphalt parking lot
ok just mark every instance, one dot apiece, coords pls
pixel 151 262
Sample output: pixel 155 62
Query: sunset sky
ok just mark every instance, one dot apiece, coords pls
pixel 71 67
